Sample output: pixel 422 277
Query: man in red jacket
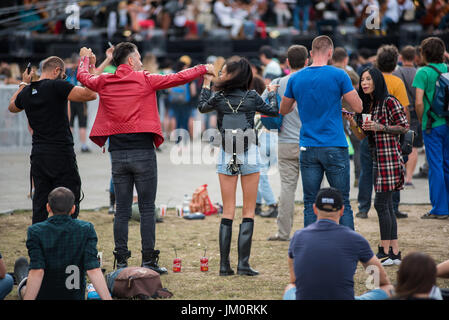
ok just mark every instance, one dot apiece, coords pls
pixel 128 116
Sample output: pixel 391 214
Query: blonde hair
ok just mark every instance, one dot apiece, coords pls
pixel 321 44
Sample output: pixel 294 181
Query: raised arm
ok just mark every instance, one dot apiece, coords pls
pixel 204 104
pixel 106 61
pixel 160 82
pixel 83 75
pixel 26 79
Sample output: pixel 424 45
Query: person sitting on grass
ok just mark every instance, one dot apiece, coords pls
pixel 417 278
pixel 323 257
pixel 6 281
pixel 62 250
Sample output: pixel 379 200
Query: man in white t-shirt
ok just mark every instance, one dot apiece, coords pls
pixel 272 68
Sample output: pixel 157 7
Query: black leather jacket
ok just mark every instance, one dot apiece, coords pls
pixel 251 104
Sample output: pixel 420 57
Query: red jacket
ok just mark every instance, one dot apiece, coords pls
pixel 128 101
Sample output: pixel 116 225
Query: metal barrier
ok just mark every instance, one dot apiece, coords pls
pixel 14 133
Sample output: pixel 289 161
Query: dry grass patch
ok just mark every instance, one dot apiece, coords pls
pixel 270 258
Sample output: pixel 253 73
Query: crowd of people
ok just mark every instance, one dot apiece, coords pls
pixel 245 19
pixel 376 99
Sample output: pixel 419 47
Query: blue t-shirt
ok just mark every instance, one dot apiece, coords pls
pixel 325 256
pixel 318 92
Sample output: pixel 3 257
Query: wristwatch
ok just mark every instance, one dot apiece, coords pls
pixel 23 84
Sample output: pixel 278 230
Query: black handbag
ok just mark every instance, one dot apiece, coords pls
pixel 406 140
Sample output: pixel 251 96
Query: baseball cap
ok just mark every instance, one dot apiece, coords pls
pixel 329 199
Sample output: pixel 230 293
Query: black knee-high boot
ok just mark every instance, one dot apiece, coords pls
pixel 244 248
pixel 225 236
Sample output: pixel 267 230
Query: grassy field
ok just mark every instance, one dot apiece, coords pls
pixel 191 238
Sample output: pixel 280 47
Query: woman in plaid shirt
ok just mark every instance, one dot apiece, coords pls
pixel 388 122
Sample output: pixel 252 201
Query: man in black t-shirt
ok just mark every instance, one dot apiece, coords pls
pixel 53 160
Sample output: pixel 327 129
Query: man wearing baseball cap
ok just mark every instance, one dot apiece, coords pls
pixel 323 257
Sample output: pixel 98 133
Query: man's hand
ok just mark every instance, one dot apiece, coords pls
pixel 26 77
pixel 210 69
pixel 92 59
pixel 109 53
pixel 272 87
pixel 85 52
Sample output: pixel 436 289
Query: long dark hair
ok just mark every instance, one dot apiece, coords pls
pixel 417 274
pixel 241 75
pixel 380 89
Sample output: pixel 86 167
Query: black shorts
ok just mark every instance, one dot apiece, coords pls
pixel 416 126
pixel 78 109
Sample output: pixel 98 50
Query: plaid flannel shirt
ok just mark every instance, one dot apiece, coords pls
pixel 390 164
pixel 57 245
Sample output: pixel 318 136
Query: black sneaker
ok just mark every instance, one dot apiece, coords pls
pixel 362 215
pixel 385 259
pixel 400 215
pixel 381 253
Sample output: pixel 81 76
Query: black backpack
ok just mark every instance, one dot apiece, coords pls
pixel 236 138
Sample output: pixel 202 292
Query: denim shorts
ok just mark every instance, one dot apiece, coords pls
pixel 249 161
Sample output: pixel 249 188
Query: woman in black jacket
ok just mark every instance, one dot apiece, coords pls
pixel 236 106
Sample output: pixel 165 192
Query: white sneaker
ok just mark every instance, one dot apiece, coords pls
pixel 387 262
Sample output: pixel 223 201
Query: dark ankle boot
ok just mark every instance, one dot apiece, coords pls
pixel 121 259
pixel 244 248
pixel 224 239
pixel 150 260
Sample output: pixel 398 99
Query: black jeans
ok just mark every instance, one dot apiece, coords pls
pixel 383 202
pixel 50 171
pixel 134 167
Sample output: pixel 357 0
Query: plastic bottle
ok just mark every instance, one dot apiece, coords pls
pixel 91 293
pixel 186 205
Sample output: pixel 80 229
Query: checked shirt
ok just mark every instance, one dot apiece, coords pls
pixel 390 164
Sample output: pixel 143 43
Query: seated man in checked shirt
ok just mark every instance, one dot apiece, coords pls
pixel 62 250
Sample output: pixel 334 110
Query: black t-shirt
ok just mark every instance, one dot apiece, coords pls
pixel 129 141
pixel 45 104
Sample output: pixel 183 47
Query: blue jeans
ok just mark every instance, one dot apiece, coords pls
pixel 134 167
pixel 249 161
pixel 366 177
pixel 305 17
pixel 268 157
pixel 334 162
pixel 437 153
pixel 376 294
pixel 6 285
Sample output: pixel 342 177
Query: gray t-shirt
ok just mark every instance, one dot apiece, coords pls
pixel 407 74
pixel 291 124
